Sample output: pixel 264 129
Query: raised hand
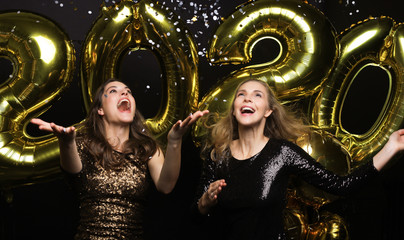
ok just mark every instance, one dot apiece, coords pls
pixel 180 127
pixel 392 147
pixel 396 139
pixel 165 170
pixel 59 131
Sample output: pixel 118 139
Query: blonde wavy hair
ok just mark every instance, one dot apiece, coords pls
pixel 283 123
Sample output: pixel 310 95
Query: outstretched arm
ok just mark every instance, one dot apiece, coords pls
pixel 69 157
pixel 165 171
pixel 394 145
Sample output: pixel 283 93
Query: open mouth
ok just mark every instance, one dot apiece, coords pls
pixel 124 105
pixel 247 110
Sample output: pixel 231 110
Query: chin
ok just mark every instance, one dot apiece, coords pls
pixel 126 120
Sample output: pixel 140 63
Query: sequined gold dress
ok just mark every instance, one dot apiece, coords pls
pixel 111 202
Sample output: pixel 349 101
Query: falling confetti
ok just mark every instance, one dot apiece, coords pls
pixel 200 16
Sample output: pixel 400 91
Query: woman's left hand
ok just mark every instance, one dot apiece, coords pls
pixel 396 140
pixel 180 127
pixel 394 145
pixel 165 170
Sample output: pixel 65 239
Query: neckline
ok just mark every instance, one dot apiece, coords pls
pixel 253 156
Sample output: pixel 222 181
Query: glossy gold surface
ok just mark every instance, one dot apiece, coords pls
pixel 43 62
pixel 128 27
pixel 308 50
pixel 374 42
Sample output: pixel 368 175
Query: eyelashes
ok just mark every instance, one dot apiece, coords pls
pixel 115 91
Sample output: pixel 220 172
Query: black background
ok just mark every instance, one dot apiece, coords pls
pixel 49 210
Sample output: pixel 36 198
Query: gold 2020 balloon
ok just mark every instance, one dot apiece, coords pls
pixel 43 61
pixel 374 42
pixel 308 51
pixel 145 25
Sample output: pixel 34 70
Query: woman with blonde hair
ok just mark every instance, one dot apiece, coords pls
pixel 251 157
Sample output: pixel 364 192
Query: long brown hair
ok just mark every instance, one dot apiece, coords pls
pixel 283 123
pixel 140 143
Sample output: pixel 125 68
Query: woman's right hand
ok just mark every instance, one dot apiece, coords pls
pixel 209 198
pixel 69 157
pixel 62 133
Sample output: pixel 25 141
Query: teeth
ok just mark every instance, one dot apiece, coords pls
pixel 124 101
pixel 247 109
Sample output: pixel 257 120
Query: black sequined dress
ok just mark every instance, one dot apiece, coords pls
pixel 111 202
pixel 251 205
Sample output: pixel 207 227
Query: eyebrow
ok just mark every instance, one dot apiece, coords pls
pixel 243 90
pixel 115 87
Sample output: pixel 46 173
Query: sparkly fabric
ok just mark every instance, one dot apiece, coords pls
pixel 252 203
pixel 111 202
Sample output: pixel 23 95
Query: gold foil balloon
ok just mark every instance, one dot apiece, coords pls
pixel 295 217
pixel 373 42
pixel 305 36
pixel 43 62
pixel 330 226
pixel 330 153
pixel 307 51
pixel 145 25
pixel 295 222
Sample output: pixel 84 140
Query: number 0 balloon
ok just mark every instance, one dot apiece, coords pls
pixel 375 42
pixel 130 26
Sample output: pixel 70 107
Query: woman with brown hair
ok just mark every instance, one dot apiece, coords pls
pixel 251 156
pixel 113 162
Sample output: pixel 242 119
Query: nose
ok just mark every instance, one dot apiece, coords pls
pixel 124 92
pixel 247 98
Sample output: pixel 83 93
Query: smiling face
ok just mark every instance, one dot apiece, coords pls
pixel 118 105
pixel 251 106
